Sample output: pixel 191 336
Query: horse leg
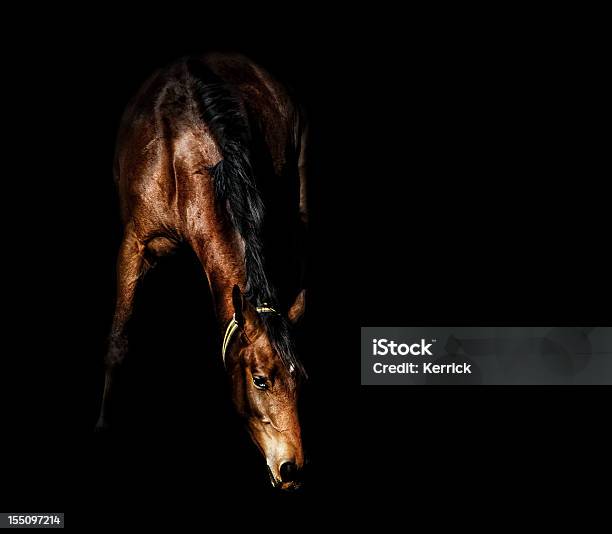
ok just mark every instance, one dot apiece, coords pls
pixel 302 172
pixel 131 265
pixel 303 228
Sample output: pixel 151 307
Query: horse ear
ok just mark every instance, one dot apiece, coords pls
pixel 238 302
pixel 297 308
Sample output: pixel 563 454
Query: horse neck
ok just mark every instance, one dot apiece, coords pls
pixel 219 247
pixel 222 257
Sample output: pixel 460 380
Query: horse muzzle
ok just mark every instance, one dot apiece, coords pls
pixel 287 478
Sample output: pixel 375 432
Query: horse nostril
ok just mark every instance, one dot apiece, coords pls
pixel 288 471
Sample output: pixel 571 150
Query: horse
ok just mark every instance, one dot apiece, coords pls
pixel 211 154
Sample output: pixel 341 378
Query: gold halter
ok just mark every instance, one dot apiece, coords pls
pixel 233 326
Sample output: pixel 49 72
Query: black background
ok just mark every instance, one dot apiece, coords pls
pixel 456 177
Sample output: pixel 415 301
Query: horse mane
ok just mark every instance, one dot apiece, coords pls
pixel 236 189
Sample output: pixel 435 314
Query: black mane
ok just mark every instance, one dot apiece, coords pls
pixel 235 184
pixel 236 189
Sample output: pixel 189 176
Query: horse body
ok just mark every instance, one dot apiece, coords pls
pixel 211 154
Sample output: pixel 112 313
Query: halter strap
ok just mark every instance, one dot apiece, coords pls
pixel 233 326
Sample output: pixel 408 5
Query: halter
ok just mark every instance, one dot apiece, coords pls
pixel 233 326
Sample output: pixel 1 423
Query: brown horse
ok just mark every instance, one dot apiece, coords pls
pixel 211 155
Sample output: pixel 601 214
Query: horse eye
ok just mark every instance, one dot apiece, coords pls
pixel 260 382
